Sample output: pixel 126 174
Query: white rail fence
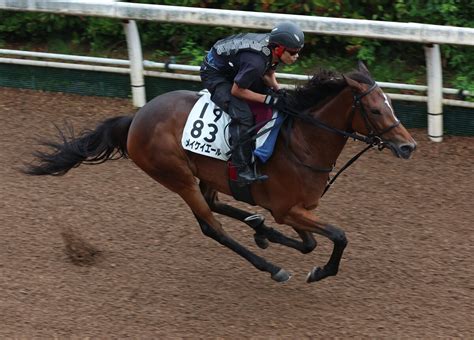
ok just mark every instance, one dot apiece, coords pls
pixel 430 35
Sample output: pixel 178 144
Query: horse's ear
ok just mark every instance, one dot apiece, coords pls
pixel 362 68
pixel 352 83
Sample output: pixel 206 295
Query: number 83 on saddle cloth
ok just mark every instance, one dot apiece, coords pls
pixel 206 131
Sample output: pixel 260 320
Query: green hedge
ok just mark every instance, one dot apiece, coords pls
pixel 392 61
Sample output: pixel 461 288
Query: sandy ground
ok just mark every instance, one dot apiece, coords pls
pixel 408 271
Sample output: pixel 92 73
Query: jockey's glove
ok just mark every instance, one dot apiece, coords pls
pixel 282 93
pixel 275 100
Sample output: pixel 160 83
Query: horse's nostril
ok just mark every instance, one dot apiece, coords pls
pixel 407 148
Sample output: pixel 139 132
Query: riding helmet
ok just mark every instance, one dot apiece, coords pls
pixel 287 34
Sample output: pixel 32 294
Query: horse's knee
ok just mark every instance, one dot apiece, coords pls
pixel 309 246
pixel 337 236
pixel 308 242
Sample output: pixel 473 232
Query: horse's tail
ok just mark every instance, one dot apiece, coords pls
pixel 107 141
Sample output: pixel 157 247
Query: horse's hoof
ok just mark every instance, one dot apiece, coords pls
pixel 261 241
pixel 281 276
pixel 255 220
pixel 315 274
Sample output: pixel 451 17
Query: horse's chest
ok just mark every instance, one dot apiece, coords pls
pixel 311 194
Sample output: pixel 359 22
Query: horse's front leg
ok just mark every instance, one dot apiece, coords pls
pixel 263 234
pixel 303 220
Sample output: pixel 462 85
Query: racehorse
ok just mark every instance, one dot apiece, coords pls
pixel 326 111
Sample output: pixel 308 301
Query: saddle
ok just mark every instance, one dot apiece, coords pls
pixel 207 133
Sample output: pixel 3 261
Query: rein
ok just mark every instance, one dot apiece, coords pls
pixel 373 138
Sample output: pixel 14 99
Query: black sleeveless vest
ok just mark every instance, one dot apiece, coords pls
pixel 243 42
pixel 226 49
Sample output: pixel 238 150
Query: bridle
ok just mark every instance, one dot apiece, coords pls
pixel 372 139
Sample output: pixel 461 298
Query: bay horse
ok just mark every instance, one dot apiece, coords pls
pixel 326 111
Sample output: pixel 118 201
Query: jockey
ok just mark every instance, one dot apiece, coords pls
pixel 241 68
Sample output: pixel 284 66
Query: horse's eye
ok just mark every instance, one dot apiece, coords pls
pixel 375 111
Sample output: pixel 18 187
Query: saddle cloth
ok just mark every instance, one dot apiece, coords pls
pixel 207 130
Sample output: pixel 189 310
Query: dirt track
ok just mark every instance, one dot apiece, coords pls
pixel 408 270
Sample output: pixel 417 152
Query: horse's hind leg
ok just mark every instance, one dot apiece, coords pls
pixel 188 189
pixel 212 228
pixel 256 222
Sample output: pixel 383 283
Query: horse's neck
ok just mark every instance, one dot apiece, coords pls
pixel 319 147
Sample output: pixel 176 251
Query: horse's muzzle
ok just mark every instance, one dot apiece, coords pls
pixel 402 150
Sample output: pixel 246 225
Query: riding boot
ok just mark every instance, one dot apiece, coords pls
pixel 242 121
pixel 242 154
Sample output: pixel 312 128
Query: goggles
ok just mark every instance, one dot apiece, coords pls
pixel 292 52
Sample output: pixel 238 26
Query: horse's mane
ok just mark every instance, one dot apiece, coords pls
pixel 324 84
